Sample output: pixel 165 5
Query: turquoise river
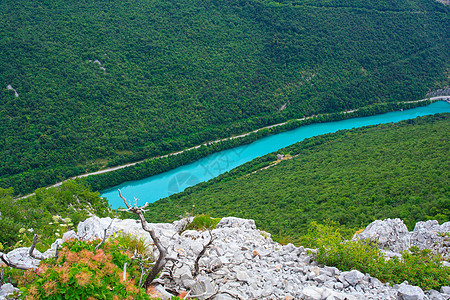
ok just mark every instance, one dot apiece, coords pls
pixel 165 184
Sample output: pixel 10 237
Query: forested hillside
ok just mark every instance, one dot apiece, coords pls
pixel 87 84
pixel 49 213
pixel 352 177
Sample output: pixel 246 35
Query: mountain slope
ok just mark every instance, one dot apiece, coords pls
pixel 352 177
pixel 105 82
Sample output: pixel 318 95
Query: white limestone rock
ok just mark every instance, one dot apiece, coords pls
pixel 311 293
pixel 410 292
pixel 351 278
pixel 203 288
pixel 241 262
pixel 93 228
pixel 232 222
pixel 222 297
pixel 435 295
pixel 7 290
pixel 390 233
pixel 431 235
pixel 20 257
pixel 51 252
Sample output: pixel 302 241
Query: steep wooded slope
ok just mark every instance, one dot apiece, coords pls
pixel 352 177
pixel 105 82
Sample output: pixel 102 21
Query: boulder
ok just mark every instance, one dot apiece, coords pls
pixel 390 233
pixel 311 293
pixel 6 290
pixel 410 292
pixel 431 235
pixel 435 295
pixel 352 277
pixel 203 288
pixel 21 258
pixel 93 228
pixel 232 222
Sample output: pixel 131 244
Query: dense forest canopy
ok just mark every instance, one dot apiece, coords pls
pixel 352 177
pixel 105 82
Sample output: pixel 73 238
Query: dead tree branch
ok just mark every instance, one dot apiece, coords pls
pixel 139 211
pixel 12 265
pixel 196 267
pixel 33 245
pixel 56 253
pixel 104 235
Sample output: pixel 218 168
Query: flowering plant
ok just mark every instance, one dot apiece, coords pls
pixel 82 272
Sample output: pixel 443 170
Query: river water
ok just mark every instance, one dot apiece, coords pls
pixel 165 184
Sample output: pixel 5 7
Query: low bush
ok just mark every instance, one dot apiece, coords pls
pixel 49 213
pixel 82 272
pixel 134 244
pixel 203 222
pixel 418 267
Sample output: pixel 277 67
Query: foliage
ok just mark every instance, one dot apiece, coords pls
pixel 49 213
pixel 286 238
pixel 203 222
pixel 178 73
pixel 418 267
pixel 134 244
pixel 352 177
pixel 81 272
pixel 162 164
pixel 334 250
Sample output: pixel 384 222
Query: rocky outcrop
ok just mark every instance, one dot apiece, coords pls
pixel 431 235
pixel 245 263
pixel 392 234
pixel 7 290
pixel 9 87
pixel 20 257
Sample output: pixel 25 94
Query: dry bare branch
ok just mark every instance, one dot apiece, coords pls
pixel 56 252
pixel 33 245
pixel 196 267
pixel 104 235
pixel 12 265
pixel 142 275
pixel 139 211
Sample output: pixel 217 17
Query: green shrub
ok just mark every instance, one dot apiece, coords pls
pixel 285 238
pixel 418 267
pixel 138 246
pixel 81 272
pixel 49 213
pixel 203 222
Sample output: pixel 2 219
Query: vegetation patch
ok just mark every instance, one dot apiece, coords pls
pixel 352 177
pixel 49 213
pixel 145 78
pixel 418 267
pixel 84 272
pixel 203 222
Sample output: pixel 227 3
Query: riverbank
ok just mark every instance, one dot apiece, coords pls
pixel 102 179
